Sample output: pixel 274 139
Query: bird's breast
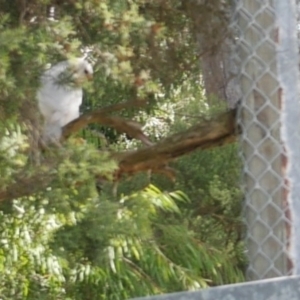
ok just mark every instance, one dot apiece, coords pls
pixel 60 97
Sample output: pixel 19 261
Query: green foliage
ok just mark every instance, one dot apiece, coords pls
pixel 143 251
pixel 60 239
pixel 210 179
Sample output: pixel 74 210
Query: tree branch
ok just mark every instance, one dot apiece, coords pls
pixel 131 128
pixel 217 131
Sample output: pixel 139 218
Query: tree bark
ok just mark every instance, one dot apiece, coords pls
pixel 215 132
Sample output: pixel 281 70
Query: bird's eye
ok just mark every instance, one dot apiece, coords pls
pixel 86 71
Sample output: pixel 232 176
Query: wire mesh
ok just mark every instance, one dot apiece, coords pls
pixel 269 120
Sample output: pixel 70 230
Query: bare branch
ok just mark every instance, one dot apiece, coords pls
pixel 215 132
pixel 131 128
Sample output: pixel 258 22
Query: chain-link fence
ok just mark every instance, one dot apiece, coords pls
pixel 269 120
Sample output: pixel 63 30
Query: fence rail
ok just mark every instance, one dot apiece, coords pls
pixel 281 288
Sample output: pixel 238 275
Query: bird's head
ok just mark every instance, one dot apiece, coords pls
pixel 81 70
pixel 73 73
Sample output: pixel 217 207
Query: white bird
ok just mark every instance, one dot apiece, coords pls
pixel 60 95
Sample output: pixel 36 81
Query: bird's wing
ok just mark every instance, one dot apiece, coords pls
pixel 59 104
